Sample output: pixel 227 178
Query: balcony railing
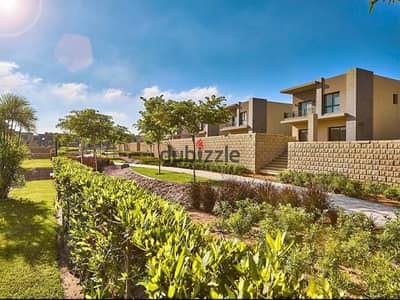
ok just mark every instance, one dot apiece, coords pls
pixel 233 124
pixel 301 113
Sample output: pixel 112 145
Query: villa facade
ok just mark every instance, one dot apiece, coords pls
pixel 256 115
pixel 356 105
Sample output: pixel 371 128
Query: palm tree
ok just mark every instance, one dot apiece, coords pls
pixel 15 115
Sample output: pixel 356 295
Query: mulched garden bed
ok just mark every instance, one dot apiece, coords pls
pixel 168 190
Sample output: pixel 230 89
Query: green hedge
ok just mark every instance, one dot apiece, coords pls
pixel 220 167
pixel 336 183
pixel 121 237
pixel 132 154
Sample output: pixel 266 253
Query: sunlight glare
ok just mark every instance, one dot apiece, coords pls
pixel 8 7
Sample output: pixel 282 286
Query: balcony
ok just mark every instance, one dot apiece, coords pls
pixel 297 116
pixel 232 126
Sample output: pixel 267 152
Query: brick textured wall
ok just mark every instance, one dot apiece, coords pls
pixel 38 174
pixel 270 147
pixel 378 161
pixel 256 149
pixel 244 143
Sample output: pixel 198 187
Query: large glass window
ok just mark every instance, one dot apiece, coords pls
pixel 337 133
pixel 242 118
pixel 331 103
pixel 305 108
pixel 233 121
pixel 303 135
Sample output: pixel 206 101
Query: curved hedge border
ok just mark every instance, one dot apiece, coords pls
pixel 122 238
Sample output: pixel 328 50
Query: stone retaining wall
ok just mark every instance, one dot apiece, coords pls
pixel 255 149
pixel 38 174
pixel 378 161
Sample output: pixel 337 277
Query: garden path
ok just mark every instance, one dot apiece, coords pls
pixel 380 213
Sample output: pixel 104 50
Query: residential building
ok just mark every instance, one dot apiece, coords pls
pixel 356 105
pixel 255 115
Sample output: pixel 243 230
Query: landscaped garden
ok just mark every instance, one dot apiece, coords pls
pixel 336 183
pixel 314 249
pixel 167 175
pixel 28 247
pixel 36 163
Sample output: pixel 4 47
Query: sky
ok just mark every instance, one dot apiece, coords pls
pixel 106 54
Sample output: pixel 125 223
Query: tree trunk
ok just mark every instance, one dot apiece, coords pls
pixel 194 158
pixel 159 158
pixel 81 151
pixel 95 158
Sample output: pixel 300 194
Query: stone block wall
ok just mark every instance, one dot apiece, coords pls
pixel 378 161
pixel 38 174
pixel 40 152
pixel 243 143
pixel 135 147
pixel 255 149
pixel 269 147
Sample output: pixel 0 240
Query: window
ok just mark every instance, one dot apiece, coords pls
pixel 337 133
pixel 242 118
pixel 331 103
pixel 233 121
pixel 395 99
pixel 305 108
pixel 303 135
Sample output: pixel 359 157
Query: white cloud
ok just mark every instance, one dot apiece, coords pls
pixel 197 93
pixel 6 67
pixel 11 79
pixel 113 94
pixel 70 91
pixel 118 117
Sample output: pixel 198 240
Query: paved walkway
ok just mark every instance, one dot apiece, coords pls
pixel 378 212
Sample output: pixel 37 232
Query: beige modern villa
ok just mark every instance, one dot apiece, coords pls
pixel 356 105
pixel 256 115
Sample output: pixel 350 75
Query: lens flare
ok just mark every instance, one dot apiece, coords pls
pixel 18 16
pixel 8 7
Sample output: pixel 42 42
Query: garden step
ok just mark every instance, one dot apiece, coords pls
pixel 269 172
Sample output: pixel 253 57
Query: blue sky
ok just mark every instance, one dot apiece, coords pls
pixel 106 54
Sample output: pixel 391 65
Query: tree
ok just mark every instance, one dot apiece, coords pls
pixel 155 122
pixel 119 135
pixel 15 115
pixel 373 2
pixel 188 115
pixel 90 126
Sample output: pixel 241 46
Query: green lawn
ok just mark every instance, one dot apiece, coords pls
pixel 36 163
pixel 167 175
pixel 28 249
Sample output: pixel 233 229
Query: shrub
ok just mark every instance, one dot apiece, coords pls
pixel 294 221
pixel 315 200
pixel 266 193
pixel 101 162
pixel 392 193
pixel 241 221
pixel 233 191
pixel 203 195
pixel 286 176
pixel 11 155
pixel 121 238
pixel 209 196
pixel 373 189
pixel 195 195
pixel 290 196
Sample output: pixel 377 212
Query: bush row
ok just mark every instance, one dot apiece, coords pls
pixel 220 167
pixel 356 258
pixel 134 154
pixel 229 193
pixel 121 237
pixel 336 183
